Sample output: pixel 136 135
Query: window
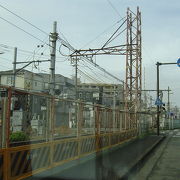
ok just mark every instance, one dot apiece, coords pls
pixel 57 87
pixel 87 95
pixel 9 80
pixel 80 95
pixel 46 85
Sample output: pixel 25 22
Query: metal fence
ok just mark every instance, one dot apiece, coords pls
pixel 1 164
pixel 39 132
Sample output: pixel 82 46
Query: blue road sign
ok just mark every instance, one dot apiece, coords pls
pixel 178 62
pixel 158 102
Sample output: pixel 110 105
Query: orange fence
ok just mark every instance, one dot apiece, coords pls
pixel 23 161
pixel 63 130
pixel 2 164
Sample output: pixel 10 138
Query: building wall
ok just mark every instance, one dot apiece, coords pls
pixel 6 80
pixel 33 82
pixel 26 80
pixel 19 81
pixel 104 94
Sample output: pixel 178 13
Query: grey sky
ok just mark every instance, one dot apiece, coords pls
pixel 82 20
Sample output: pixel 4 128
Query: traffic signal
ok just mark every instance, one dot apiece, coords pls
pixel 163 107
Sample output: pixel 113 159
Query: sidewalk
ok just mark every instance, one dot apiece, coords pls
pixel 111 165
pixel 168 165
pixel 164 163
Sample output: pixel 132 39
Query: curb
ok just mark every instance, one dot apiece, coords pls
pixel 136 165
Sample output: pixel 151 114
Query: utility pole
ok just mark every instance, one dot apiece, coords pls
pixel 168 107
pixel 53 38
pixel 76 80
pixel 114 109
pixel 14 67
pixel 168 100
pixel 158 112
pixel 14 75
pixel 158 106
pixel 76 98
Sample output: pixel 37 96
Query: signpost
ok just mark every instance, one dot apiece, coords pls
pixel 158 102
pixel 178 62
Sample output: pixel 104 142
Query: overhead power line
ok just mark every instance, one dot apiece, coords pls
pixel 102 33
pixel 65 43
pixel 23 19
pixel 22 30
pixel 93 63
pixel 114 8
pixel 88 76
pixel 110 39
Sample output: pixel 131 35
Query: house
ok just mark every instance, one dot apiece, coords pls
pixel 31 110
pixel 64 86
pixel 25 80
pixel 106 94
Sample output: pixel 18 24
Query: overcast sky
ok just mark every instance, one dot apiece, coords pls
pixel 82 21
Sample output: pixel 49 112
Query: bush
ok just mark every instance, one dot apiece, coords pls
pixel 18 136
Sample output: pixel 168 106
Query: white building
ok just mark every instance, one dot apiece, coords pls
pixel 24 80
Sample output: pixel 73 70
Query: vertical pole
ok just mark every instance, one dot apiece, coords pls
pixel 8 116
pixel 145 105
pixel 145 95
pixel 127 75
pixel 4 120
pixel 53 38
pixel 14 67
pixel 168 99
pixel 158 97
pixel 138 81
pixel 131 59
pixel 76 81
pixel 169 108
pixel 131 117
pixel 76 98
pixel 114 109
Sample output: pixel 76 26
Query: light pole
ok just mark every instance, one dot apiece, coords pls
pixel 158 113
pixel 160 103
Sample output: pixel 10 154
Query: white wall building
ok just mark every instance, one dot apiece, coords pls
pixel 24 80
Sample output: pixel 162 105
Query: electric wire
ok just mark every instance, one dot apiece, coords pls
pixel 62 41
pixel 99 78
pixel 107 29
pixel 21 29
pixel 107 42
pixel 23 19
pixel 114 8
pixel 107 78
pixel 25 52
pixel 96 75
pixel 88 76
pixel 112 39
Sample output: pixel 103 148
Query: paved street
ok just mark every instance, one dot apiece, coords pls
pixel 164 164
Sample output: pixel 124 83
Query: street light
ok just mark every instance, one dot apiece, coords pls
pixel 158 102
